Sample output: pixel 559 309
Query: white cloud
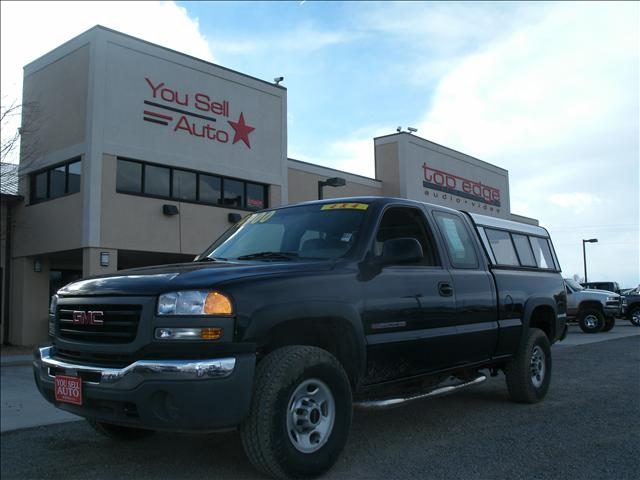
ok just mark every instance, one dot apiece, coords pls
pixel 576 202
pixel 31 29
pixel 556 103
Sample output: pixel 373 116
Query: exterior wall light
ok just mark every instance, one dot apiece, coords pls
pixel 104 259
pixel 330 182
pixel 234 217
pixel 170 210
pixel 37 265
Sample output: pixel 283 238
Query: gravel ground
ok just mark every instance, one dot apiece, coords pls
pixel 587 428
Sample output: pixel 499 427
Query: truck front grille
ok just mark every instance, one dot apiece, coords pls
pixel 119 323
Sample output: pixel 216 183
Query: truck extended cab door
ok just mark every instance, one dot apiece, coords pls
pixel 476 302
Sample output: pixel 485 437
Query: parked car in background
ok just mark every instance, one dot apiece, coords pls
pixel 595 310
pixel 608 286
pixel 631 306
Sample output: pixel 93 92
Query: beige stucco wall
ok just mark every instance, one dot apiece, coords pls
pixel 29 302
pixel 132 222
pixel 51 226
pixel 55 106
pixel 303 186
pixel 388 168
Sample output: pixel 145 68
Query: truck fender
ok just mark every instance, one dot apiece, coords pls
pixel 266 319
pixel 530 305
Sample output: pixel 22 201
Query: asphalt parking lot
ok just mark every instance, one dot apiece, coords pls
pixel 588 427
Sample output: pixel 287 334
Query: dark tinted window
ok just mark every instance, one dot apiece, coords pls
pixel 184 185
pixel 524 250
pixel 156 181
pixel 39 187
pixel 400 222
pixel 541 252
pixel 502 247
pixel 129 177
pixel 256 196
pixel 57 180
pixel 73 178
pixel 457 240
pixel 210 189
pixel 233 193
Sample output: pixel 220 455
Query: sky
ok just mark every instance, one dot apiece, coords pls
pixel 549 91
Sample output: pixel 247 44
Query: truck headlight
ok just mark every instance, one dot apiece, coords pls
pixel 612 299
pixel 194 302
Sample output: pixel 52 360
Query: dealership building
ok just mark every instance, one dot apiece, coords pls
pixel 133 154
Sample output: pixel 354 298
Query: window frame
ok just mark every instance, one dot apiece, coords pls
pixel 427 230
pixel 47 172
pixel 494 260
pixel 198 174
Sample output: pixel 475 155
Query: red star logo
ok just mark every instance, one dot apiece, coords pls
pixel 242 130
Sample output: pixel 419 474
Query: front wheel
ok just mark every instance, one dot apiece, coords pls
pixel 634 316
pixel 591 321
pixel 300 413
pixel 528 374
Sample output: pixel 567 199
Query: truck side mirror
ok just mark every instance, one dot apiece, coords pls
pixel 401 250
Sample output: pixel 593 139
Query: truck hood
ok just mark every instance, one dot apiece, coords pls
pixel 595 293
pixel 150 281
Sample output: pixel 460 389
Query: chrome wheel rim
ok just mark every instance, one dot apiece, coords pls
pixel 310 416
pixel 538 367
pixel 635 317
pixel 591 321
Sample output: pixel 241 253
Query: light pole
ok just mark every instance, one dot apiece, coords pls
pixel 584 255
pixel 330 182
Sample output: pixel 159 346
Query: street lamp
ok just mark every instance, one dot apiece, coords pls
pixel 330 182
pixel 584 255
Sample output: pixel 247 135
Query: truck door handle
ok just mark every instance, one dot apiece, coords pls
pixel 445 289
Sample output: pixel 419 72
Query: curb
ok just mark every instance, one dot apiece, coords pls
pixel 16 360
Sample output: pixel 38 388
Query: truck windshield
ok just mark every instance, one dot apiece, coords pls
pixel 573 284
pixel 325 231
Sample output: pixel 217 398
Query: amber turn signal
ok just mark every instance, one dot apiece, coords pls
pixel 213 333
pixel 217 304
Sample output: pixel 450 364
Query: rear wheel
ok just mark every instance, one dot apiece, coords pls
pixel 591 320
pixel 634 316
pixel 609 323
pixel 118 432
pixel 300 413
pixel 528 374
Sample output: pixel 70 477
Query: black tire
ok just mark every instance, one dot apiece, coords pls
pixel 519 370
pixel 265 433
pixel 634 316
pixel 591 320
pixel 118 432
pixel 609 323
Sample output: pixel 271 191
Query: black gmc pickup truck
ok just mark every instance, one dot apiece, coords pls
pixel 297 314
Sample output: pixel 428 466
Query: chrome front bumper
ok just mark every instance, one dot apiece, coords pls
pixel 134 374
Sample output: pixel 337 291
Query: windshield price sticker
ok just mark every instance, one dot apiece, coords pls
pixel 354 206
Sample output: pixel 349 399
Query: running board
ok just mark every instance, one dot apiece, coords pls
pixel 387 403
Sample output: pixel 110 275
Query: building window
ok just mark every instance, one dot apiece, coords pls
pixel 210 189
pixel 129 177
pixel 157 181
pixel 232 193
pixel 56 181
pixel 184 185
pixel 256 196
pixel 142 178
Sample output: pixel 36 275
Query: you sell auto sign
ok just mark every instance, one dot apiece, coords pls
pixel 195 114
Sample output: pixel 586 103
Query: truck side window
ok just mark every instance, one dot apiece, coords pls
pixel 399 222
pixel 542 252
pixel 457 240
pixel 502 247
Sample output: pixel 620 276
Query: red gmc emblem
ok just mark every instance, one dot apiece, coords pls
pixel 81 317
